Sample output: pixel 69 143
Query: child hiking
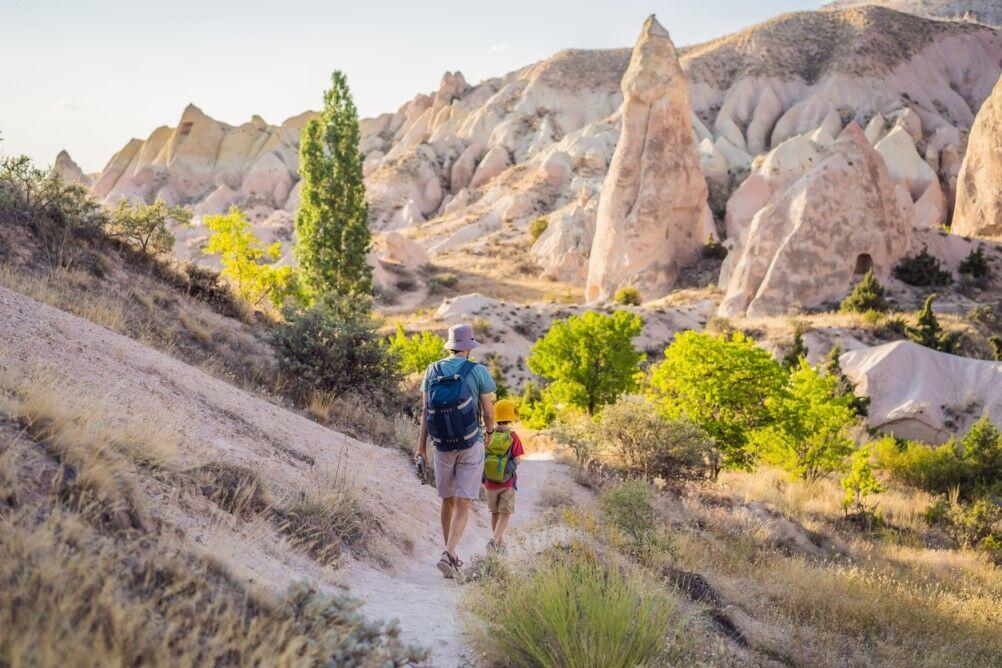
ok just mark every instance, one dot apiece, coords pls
pixel 503 452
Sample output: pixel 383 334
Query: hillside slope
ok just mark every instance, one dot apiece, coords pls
pixel 988 12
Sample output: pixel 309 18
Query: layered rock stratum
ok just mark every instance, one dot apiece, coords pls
pixel 979 188
pixel 652 213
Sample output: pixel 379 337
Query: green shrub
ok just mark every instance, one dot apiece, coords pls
pixel 414 353
pixel 590 358
pixel 832 366
pixel 334 347
pixel 808 430
pixel 534 410
pixel 574 611
pixel 629 506
pixel 627 296
pixel 859 482
pixel 578 433
pixel 797 351
pixel 146 224
pixel 934 469
pixel 977 524
pixel 976 265
pixel 537 227
pixel 497 373
pixel 922 270
pixel 713 249
pixel 636 438
pixel 996 343
pixel 867 295
pixel 929 333
pixel 720 384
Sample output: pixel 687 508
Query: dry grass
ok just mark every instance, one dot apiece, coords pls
pixel 236 489
pixel 71 597
pixel 361 418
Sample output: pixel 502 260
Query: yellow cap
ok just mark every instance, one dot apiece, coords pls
pixel 504 411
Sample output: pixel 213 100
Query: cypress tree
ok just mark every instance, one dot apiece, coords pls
pixel 332 225
pixel 798 350
pixel 928 332
pixel 867 295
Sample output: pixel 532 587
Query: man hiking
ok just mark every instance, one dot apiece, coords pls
pixel 458 395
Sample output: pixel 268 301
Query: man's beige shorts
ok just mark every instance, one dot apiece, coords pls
pixel 501 500
pixel 460 472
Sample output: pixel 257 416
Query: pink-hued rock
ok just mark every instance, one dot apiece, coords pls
pixel 401 250
pixel 807 245
pixel 68 170
pixel 651 211
pixel 495 162
pixel 978 209
pixel 930 209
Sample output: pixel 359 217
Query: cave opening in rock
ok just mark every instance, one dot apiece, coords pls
pixel 864 263
pixel 185 128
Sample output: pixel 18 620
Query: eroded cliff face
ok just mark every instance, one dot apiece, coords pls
pixel 979 186
pixel 475 161
pixel 652 213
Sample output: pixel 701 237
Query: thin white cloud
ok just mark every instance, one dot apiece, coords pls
pixel 500 47
pixel 71 106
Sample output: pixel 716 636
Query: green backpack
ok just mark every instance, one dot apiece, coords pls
pixel 498 463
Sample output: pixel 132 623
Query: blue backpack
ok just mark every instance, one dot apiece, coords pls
pixel 451 411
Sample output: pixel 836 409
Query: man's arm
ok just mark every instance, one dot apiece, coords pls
pixel 487 410
pixel 422 443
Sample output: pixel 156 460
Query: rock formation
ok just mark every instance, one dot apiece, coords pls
pixel 979 186
pixel 988 12
pixel 68 170
pixel 920 393
pixel 809 243
pixel 652 211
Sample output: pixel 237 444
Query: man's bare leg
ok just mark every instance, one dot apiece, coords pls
pixel 448 507
pixel 500 526
pixel 494 521
pixel 461 510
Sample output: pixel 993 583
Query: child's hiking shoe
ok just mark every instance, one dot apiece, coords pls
pixel 492 546
pixel 447 566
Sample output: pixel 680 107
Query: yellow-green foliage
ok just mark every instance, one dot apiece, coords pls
pixel 415 352
pixel 628 296
pixel 146 224
pixel 246 261
pixel 859 482
pixel 574 611
pixel 537 227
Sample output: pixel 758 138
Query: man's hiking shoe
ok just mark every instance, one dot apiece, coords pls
pixel 448 566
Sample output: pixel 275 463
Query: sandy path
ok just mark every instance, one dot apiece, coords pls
pixel 426 604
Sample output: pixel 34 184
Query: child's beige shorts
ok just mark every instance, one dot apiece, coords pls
pixel 501 500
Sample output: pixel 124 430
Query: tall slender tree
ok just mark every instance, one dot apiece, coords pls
pixel 332 224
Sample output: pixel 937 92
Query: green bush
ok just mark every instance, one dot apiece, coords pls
pixel 497 373
pixel 627 296
pixel 414 353
pixel 976 265
pixel 922 270
pixel 713 249
pixel 537 227
pixel 929 333
pixel 977 524
pixel 334 347
pixel 720 384
pixel 867 295
pixel 934 469
pixel 590 358
pixel 146 224
pixel 636 438
pixel 859 482
pixel 574 611
pixel 996 343
pixel 629 506
pixel 809 423
pixel 832 366
pixel 534 410
pixel 797 351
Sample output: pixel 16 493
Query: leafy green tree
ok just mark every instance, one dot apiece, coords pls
pixel 533 410
pixel 808 432
pixel 247 262
pixel 415 352
pixel 797 351
pixel 928 332
pixel 721 384
pixel 859 481
pixel 981 448
pixel 832 366
pixel 146 224
pixel 590 359
pixel 867 295
pixel 334 347
pixel 332 225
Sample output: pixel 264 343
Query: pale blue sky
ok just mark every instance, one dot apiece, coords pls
pixel 87 76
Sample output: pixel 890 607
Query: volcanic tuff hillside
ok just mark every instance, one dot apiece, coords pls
pixel 988 12
pixel 467 166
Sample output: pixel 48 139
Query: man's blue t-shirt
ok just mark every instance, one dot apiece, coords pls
pixel 479 379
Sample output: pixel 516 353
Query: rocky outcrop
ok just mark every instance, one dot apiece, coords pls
pixel 652 212
pixel 923 394
pixel 979 186
pixel 68 170
pixel 988 12
pixel 806 246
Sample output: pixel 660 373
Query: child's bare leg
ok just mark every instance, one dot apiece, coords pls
pixel 500 526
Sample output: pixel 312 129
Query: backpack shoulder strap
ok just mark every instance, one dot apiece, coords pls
pixel 466 368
